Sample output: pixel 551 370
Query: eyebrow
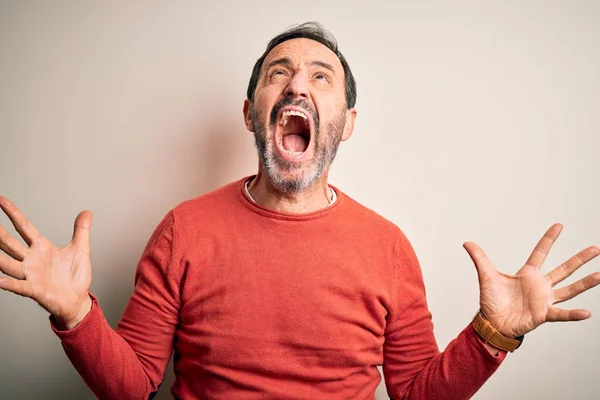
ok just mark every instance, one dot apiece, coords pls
pixel 324 65
pixel 280 61
pixel 288 63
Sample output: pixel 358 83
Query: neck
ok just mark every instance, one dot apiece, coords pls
pixel 313 198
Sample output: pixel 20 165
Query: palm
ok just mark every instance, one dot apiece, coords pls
pixel 57 278
pixel 56 273
pixel 523 300
pixel 516 305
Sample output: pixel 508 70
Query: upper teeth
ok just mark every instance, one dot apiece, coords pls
pixel 288 113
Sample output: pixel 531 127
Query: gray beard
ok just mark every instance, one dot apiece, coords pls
pixel 324 154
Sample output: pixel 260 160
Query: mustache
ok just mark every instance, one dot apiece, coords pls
pixel 297 103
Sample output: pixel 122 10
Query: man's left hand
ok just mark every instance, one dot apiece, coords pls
pixel 516 305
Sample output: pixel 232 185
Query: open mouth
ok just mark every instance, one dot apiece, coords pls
pixel 293 133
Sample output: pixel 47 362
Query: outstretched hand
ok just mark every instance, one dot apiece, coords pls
pixel 516 305
pixel 58 279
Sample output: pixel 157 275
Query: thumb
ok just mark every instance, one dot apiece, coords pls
pixel 81 233
pixel 482 263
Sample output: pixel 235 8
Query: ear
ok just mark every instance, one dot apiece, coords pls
pixel 349 126
pixel 247 116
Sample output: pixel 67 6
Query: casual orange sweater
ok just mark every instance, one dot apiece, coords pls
pixel 257 304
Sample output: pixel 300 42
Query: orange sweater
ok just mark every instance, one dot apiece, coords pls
pixel 258 304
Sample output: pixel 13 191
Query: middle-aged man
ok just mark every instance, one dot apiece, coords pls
pixel 279 285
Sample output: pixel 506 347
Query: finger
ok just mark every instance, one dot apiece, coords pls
pixel 565 269
pixel 17 286
pixel 575 289
pixel 11 267
pixel 482 263
pixel 561 315
pixel 11 246
pixel 542 249
pixel 81 233
pixel 23 226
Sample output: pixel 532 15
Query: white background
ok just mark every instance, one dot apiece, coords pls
pixel 476 121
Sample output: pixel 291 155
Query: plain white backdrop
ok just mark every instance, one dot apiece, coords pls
pixel 476 121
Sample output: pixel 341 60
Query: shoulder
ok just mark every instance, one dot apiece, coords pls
pixel 209 206
pixel 380 229
pixel 368 219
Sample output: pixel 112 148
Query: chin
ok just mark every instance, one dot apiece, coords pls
pixel 290 180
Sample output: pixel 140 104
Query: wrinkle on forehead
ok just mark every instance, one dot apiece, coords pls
pixel 302 51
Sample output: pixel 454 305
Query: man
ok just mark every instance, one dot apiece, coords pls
pixel 280 285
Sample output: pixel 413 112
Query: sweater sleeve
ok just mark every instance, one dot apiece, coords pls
pixel 129 362
pixel 413 366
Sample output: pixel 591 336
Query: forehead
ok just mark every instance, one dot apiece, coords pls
pixel 302 50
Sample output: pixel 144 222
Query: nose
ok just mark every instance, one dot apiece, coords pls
pixel 298 86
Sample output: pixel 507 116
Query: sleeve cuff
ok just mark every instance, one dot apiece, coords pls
pixel 87 321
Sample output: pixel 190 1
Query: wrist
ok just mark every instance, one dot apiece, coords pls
pixel 492 337
pixel 493 350
pixel 84 308
pixel 496 326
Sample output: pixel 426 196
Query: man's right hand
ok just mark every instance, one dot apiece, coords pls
pixel 58 279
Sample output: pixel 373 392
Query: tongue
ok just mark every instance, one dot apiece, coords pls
pixel 295 143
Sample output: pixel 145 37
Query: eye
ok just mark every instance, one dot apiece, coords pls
pixel 277 72
pixel 321 77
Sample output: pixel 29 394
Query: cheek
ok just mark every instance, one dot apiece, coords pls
pixel 259 102
pixel 264 103
pixel 328 103
pixel 331 112
pixel 268 94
